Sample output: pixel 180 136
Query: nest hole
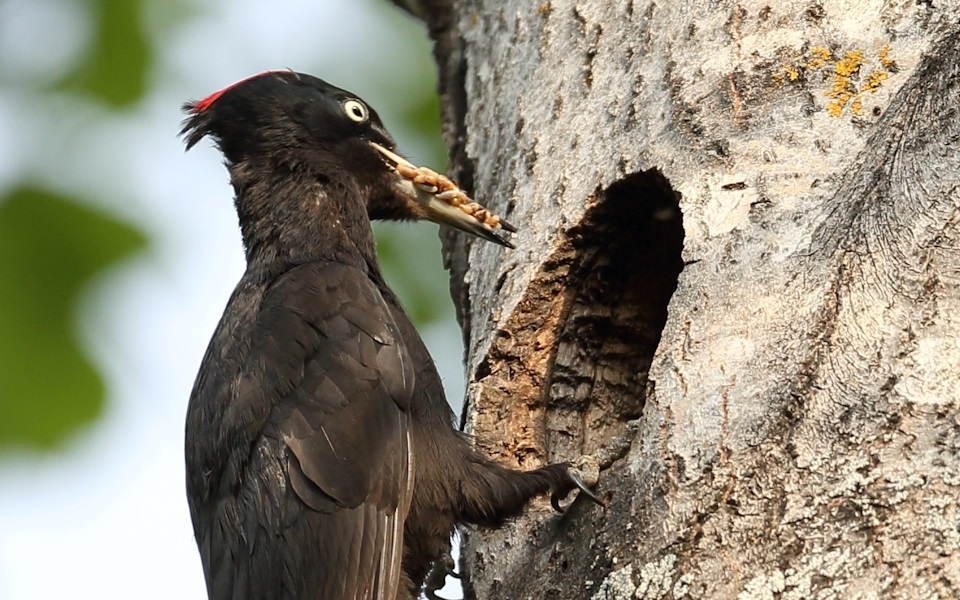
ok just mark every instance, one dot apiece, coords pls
pixel 627 259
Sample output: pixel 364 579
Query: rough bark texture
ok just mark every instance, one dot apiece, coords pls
pixel 792 348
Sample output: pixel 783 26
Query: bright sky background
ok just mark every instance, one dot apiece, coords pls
pixel 107 518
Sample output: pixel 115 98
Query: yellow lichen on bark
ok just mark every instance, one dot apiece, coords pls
pixel 846 85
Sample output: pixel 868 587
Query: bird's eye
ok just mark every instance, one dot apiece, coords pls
pixel 355 110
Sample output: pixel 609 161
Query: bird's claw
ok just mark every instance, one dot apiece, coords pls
pixel 617 448
pixel 585 472
pixel 436 579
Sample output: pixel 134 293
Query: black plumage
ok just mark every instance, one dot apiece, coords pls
pixel 322 460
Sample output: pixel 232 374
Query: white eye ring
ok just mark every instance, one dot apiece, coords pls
pixel 355 110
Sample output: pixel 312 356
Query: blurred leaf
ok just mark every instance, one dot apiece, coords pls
pixel 115 71
pixel 423 116
pixel 411 253
pixel 413 267
pixel 49 248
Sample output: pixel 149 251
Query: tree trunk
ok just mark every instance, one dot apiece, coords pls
pixel 739 223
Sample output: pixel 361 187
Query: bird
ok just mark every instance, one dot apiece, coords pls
pixel 322 459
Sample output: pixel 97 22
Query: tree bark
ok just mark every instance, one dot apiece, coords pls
pixel 739 223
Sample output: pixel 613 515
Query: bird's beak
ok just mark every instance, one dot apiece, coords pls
pixel 440 200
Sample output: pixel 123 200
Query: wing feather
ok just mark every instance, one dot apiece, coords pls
pixel 322 387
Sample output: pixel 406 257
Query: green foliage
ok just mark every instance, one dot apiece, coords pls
pixel 51 245
pixel 410 255
pixel 423 115
pixel 49 248
pixel 115 69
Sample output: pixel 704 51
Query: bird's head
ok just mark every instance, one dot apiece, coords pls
pixel 290 122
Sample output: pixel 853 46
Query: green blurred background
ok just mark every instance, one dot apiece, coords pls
pixel 118 251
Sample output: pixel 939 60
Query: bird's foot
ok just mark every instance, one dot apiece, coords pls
pixel 617 448
pixel 442 567
pixel 584 473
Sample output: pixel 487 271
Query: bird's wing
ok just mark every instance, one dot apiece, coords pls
pixel 327 353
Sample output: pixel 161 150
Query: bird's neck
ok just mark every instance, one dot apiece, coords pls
pixel 294 217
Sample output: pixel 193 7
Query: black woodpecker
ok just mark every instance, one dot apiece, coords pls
pixel 322 461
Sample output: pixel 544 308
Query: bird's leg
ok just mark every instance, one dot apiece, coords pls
pixel 442 567
pixel 584 473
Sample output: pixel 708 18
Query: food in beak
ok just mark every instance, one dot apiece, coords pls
pixel 445 202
